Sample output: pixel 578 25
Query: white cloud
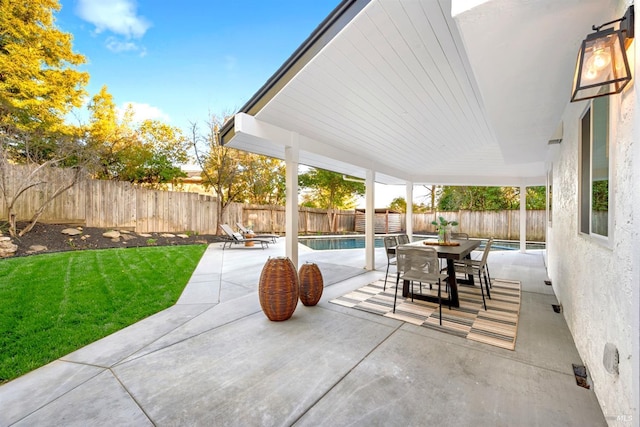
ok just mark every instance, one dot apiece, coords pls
pixel 115 45
pixel 143 112
pixel 118 16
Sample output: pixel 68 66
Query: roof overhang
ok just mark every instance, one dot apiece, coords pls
pixel 430 92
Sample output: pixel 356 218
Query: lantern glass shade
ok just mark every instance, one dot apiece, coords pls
pixel 602 67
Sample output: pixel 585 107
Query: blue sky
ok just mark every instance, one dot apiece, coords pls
pixel 180 61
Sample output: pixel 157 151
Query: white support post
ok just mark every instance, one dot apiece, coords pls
pixel 291 207
pixel 370 218
pixel 409 213
pixel 523 218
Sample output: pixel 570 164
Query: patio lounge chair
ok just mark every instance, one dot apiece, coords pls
pixel 237 238
pixel 245 230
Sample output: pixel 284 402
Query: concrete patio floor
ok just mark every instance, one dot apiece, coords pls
pixel 215 359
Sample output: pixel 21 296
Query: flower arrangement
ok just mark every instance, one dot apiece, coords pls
pixel 443 227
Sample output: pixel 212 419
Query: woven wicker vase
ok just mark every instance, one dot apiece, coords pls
pixel 311 284
pixel 278 288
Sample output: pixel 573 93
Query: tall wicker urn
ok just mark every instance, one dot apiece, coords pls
pixel 278 288
pixel 311 283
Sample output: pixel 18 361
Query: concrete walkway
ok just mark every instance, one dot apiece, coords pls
pixel 215 359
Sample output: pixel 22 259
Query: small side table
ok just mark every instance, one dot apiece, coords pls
pixel 249 236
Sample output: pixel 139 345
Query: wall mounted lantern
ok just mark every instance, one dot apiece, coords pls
pixel 602 67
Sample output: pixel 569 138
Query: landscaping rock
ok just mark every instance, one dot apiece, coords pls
pixel 127 237
pixel 112 234
pixel 7 248
pixel 168 235
pixel 182 236
pixel 50 236
pixel 71 231
pixel 36 248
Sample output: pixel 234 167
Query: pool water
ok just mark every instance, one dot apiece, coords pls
pixel 329 243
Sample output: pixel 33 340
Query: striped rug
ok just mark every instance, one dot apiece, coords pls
pixel 497 326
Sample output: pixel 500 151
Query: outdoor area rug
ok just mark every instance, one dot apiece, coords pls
pixel 497 326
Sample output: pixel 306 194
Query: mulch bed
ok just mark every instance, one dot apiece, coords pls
pixel 50 235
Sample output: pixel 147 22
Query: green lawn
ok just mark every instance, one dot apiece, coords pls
pixel 53 304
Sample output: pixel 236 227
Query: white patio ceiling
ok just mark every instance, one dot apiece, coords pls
pixel 407 90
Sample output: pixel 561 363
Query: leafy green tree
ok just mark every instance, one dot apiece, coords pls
pixel 329 190
pixel 265 180
pixel 158 151
pixel 222 166
pixel 477 198
pixel 537 197
pixel 38 87
pixel 432 193
pixel 399 204
pixel 234 175
pixel 145 153
pixel 38 82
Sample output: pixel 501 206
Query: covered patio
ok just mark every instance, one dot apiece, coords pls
pixel 215 359
pixel 421 92
pixel 458 92
pixel 398 92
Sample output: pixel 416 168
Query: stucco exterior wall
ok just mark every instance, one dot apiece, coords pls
pixel 597 281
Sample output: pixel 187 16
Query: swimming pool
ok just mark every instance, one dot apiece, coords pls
pixel 328 243
pixel 357 242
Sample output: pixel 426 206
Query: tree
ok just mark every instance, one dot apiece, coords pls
pixel 38 87
pixel 329 190
pixel 477 198
pixel 537 197
pixel 221 165
pixel 432 193
pixel 265 180
pixel 38 84
pixel 31 175
pixel 399 204
pixel 234 175
pixel 156 154
pixel 144 153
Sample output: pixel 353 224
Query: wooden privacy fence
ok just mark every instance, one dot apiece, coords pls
pixel 504 225
pixel 109 204
pixel 271 219
pixel 113 204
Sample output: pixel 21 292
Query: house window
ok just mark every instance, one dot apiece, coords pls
pixel 594 170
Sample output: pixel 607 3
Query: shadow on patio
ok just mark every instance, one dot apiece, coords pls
pixel 214 358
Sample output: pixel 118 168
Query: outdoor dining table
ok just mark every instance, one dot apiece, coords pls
pixel 451 254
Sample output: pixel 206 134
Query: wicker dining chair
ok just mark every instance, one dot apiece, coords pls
pixel 390 243
pixel 419 264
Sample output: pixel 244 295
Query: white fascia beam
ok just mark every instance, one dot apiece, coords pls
pixel 497 181
pixel 264 138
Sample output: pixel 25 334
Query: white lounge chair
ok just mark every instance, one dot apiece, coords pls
pixel 237 238
pixel 244 230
